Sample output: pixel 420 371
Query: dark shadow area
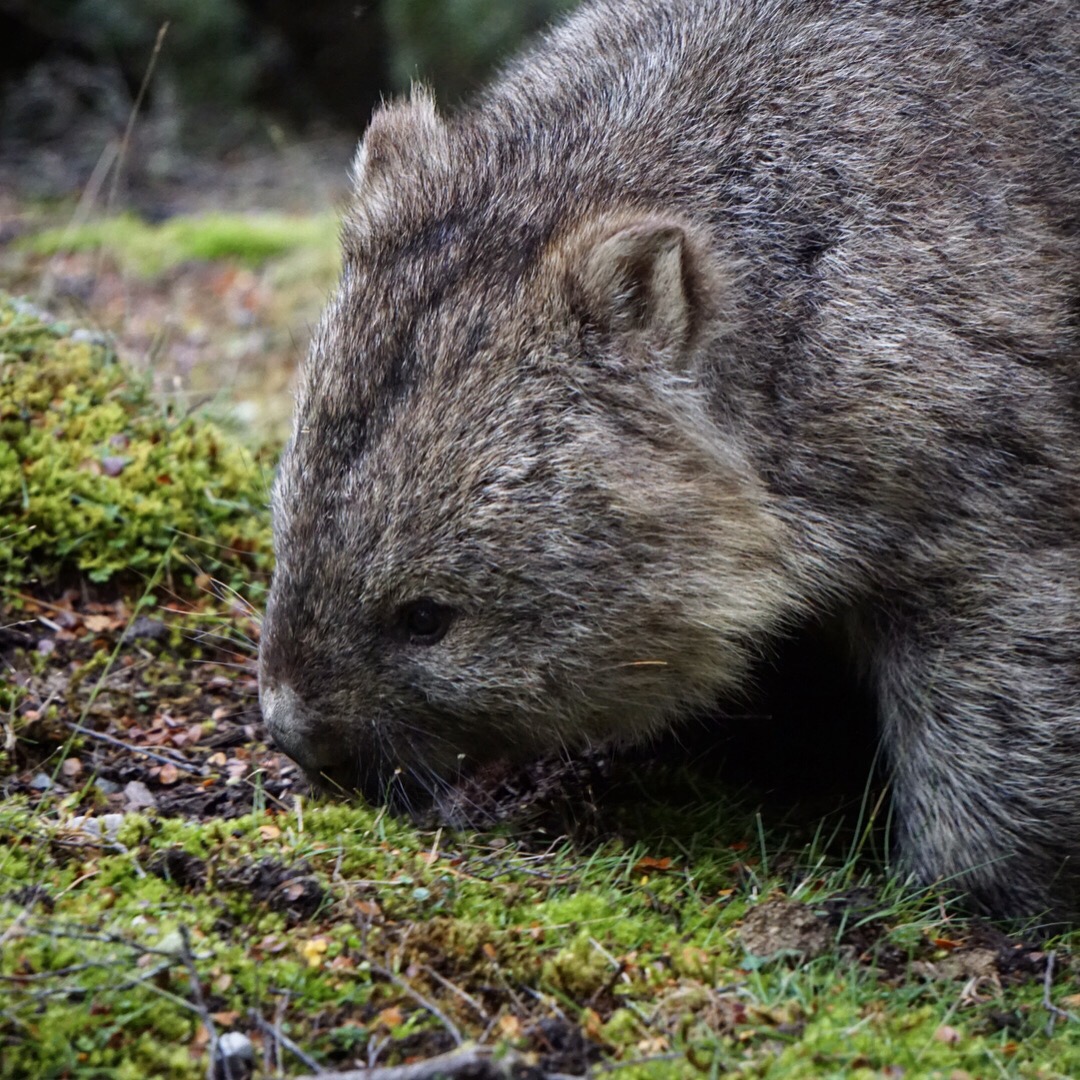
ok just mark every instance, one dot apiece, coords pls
pixel 800 750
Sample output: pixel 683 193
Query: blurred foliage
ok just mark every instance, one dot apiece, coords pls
pixel 329 57
pixel 210 54
pixel 146 249
pixel 453 44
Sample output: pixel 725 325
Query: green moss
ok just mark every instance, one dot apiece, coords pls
pixel 96 477
pixel 146 249
pixel 112 938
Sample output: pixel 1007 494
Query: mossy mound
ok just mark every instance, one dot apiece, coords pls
pixel 146 249
pixel 96 477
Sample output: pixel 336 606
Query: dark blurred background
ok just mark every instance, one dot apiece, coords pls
pixel 231 74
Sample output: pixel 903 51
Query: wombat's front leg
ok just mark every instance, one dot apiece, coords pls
pixel 981 719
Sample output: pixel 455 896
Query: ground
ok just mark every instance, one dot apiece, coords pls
pixel 167 879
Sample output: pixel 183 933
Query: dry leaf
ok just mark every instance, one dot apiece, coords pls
pixel 510 1027
pixel 647 863
pixel 314 951
pixel 390 1018
pixel 947 943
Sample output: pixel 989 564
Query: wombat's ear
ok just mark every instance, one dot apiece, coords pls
pixel 402 137
pixel 642 278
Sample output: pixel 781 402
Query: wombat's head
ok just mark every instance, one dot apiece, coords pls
pixel 505 521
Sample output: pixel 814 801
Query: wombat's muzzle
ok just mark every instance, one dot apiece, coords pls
pixel 294 732
pixel 327 758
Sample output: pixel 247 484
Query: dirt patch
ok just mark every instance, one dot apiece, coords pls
pixel 779 928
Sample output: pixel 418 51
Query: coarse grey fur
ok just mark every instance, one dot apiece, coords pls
pixel 710 317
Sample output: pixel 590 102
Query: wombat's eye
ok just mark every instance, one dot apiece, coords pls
pixel 425 622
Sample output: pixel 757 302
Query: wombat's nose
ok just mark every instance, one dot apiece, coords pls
pixel 292 729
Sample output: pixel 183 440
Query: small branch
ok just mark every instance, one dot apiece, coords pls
pixel 1056 1013
pixel 467 998
pixel 13 929
pixel 279 1037
pixel 631 1063
pixel 472 1062
pixel 200 1004
pixel 164 759
pixel 419 998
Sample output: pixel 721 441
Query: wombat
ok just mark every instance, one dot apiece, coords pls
pixel 707 320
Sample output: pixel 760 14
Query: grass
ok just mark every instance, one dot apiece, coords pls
pixel 648 966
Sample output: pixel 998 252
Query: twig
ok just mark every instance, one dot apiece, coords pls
pixel 630 1063
pixel 419 998
pixel 474 1062
pixel 73 933
pixel 178 763
pixel 13 929
pixel 447 984
pixel 57 973
pixel 275 1032
pixel 145 981
pixel 1056 1013
pixel 200 1006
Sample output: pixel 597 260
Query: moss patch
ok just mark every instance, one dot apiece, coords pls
pixel 97 478
pixel 146 249
pixel 406 938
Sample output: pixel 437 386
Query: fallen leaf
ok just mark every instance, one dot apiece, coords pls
pixel 510 1027
pixel 947 943
pixel 314 950
pixel 648 863
pixel 592 1024
pixel 391 1017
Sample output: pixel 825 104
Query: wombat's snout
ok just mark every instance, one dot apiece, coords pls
pixel 296 733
